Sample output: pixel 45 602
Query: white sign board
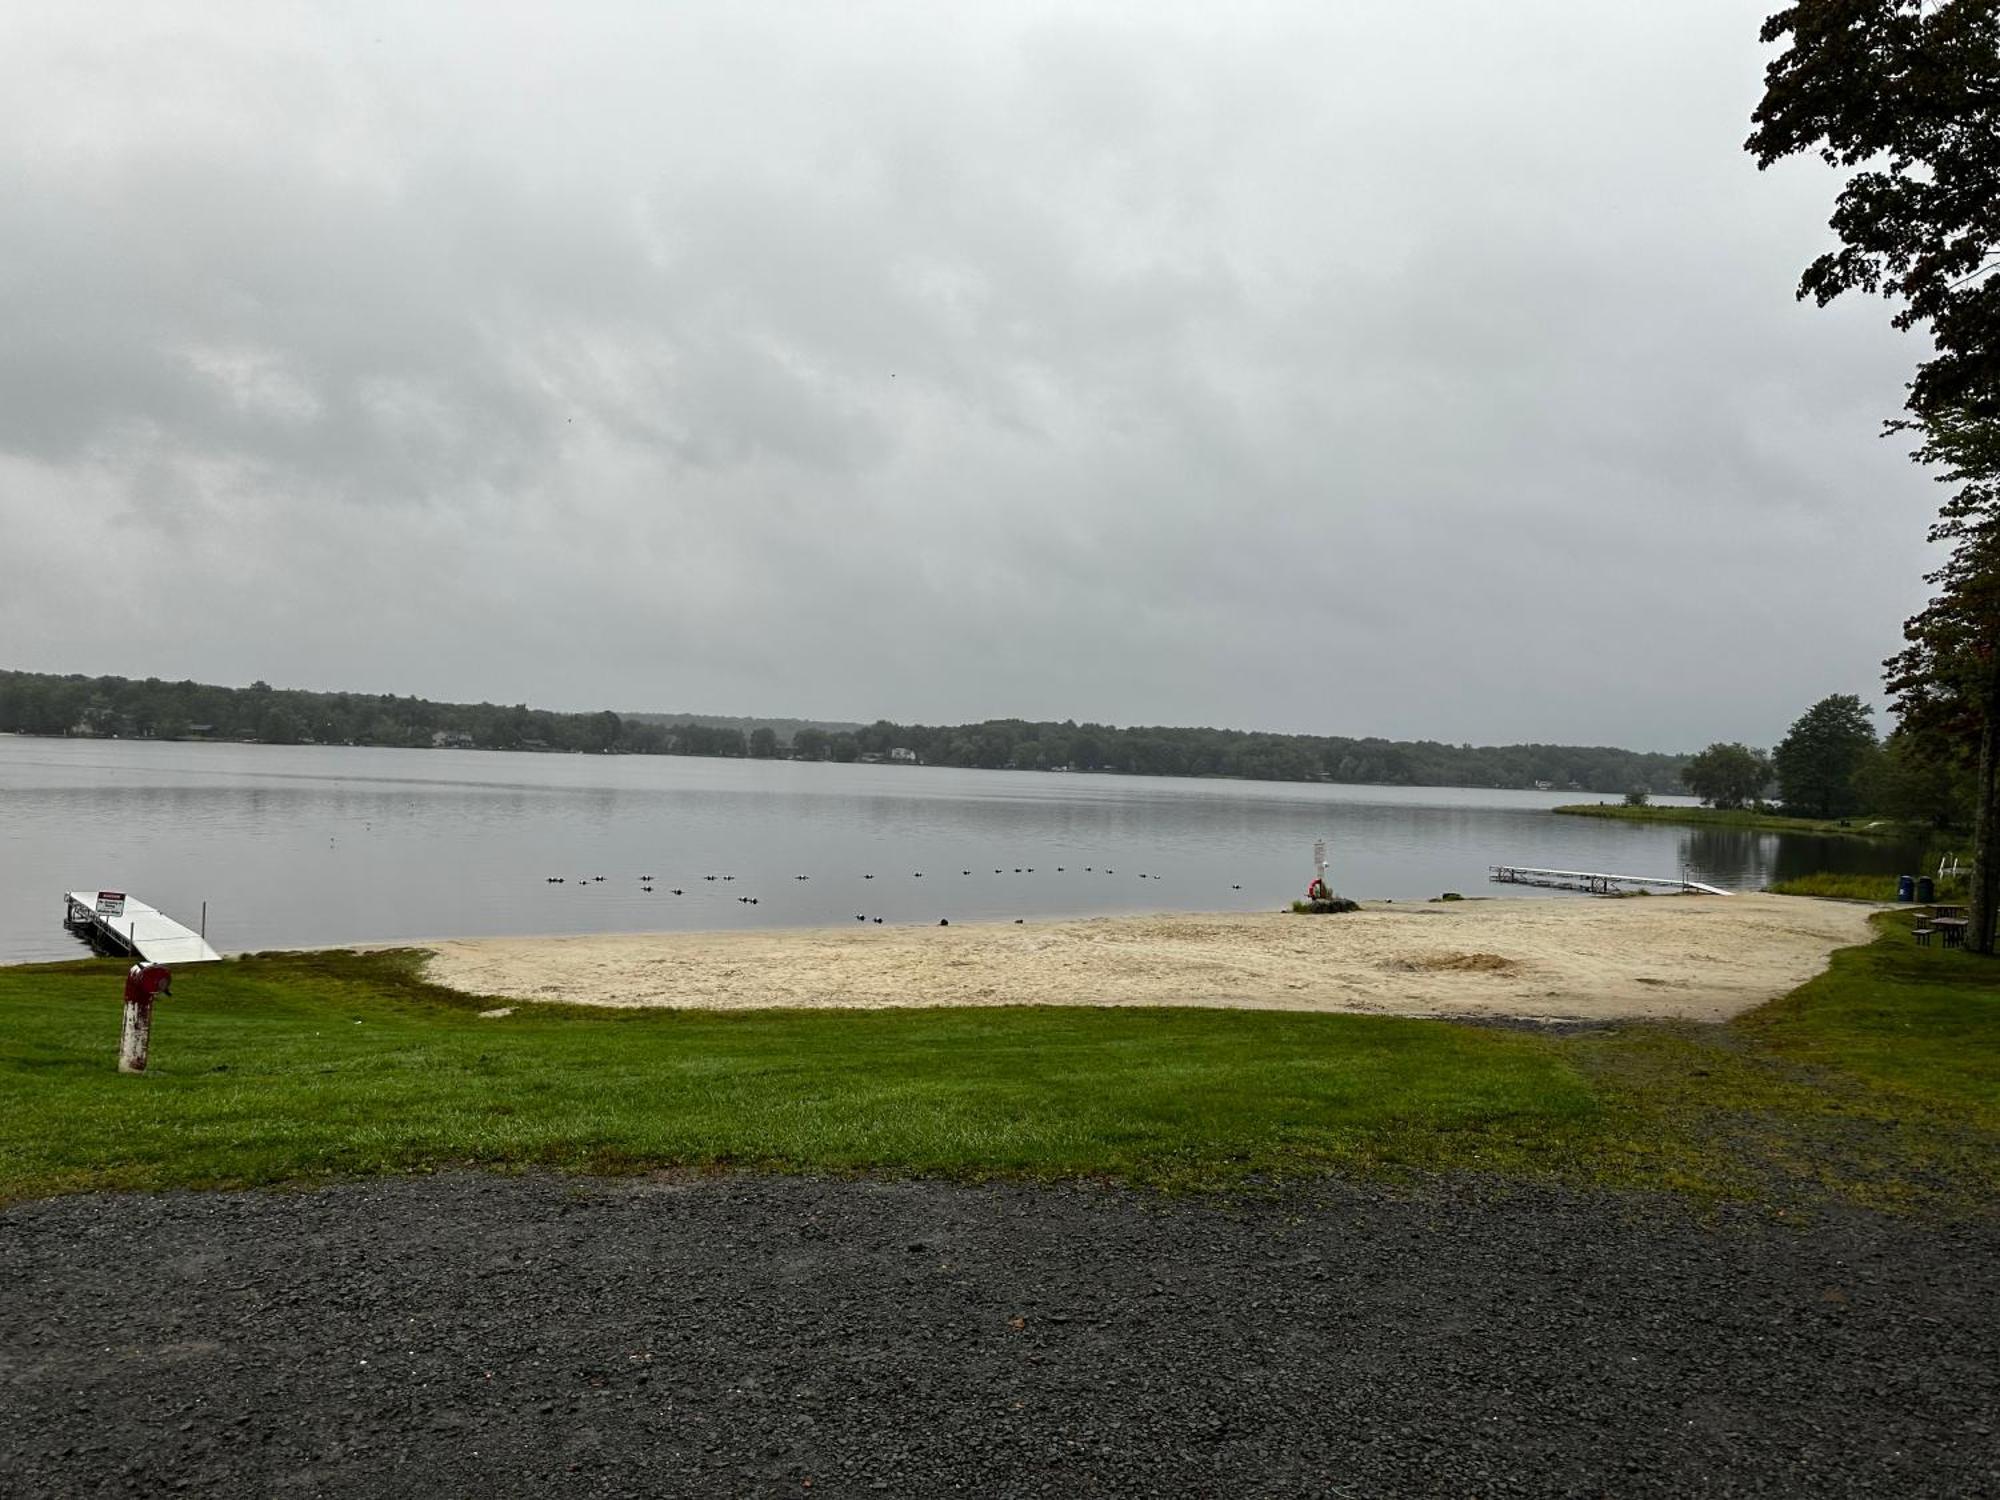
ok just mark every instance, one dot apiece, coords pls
pixel 111 903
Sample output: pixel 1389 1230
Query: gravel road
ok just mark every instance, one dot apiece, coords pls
pixel 474 1335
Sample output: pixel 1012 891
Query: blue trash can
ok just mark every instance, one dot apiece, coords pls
pixel 1906 887
pixel 1926 890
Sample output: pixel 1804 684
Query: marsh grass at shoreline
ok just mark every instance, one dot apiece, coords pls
pixel 1742 817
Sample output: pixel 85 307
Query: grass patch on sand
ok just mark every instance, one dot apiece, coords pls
pixel 1874 1082
pixel 1737 817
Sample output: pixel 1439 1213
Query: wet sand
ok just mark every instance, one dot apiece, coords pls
pixel 1702 958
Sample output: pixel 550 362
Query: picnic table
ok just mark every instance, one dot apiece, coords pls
pixel 1953 930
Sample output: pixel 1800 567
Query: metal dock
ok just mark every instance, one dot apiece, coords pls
pixel 1594 882
pixel 113 922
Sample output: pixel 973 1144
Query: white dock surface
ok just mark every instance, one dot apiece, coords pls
pixel 1596 882
pixel 155 936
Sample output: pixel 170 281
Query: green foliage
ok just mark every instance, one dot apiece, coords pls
pixel 1904 97
pixel 1908 93
pixel 1919 779
pixel 1324 906
pixel 39 704
pixel 1844 887
pixel 1727 776
pixel 1742 817
pixel 1638 796
pixel 1947 677
pixel 1819 759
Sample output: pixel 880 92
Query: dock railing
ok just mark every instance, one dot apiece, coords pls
pixel 1596 882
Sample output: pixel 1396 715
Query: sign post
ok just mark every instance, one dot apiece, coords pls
pixel 1319 890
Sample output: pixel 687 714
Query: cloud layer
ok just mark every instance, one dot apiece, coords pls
pixel 1416 371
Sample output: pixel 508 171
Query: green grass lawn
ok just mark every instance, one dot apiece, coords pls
pixel 1875 1082
pixel 1739 817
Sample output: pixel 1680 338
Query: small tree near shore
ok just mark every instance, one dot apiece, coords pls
pixel 1727 775
pixel 1817 760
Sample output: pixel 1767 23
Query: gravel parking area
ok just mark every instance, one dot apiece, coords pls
pixel 476 1335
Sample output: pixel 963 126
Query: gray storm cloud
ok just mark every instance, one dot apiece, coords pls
pixel 1415 371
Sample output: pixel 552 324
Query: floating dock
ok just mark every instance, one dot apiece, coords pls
pixel 113 922
pixel 1594 882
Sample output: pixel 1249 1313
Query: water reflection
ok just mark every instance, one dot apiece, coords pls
pixel 306 845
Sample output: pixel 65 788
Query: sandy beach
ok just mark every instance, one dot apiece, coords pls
pixel 1691 957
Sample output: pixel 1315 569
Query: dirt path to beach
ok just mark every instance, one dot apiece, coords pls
pixel 1693 957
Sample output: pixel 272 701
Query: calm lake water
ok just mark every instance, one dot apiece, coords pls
pixel 299 846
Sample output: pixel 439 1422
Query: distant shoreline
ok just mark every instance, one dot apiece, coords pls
pixel 1745 818
pixel 1393 786
pixel 75 706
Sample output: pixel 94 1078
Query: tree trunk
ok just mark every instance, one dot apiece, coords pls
pixel 1986 824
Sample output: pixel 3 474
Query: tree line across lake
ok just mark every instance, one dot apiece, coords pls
pixel 40 703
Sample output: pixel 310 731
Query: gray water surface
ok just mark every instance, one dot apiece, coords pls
pixel 295 846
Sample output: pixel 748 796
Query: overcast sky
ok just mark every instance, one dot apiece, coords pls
pixel 1416 370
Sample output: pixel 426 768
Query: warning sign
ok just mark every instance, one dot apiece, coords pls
pixel 111 903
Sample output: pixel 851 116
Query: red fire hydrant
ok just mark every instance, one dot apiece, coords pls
pixel 144 983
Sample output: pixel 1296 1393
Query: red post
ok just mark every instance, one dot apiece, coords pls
pixel 143 983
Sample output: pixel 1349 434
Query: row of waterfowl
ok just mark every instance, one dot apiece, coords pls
pixel 648 885
pixel 647 880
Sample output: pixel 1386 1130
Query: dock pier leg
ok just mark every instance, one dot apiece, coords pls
pixel 137 1037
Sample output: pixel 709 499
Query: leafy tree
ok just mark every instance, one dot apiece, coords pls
pixel 764 743
pixel 1908 91
pixel 1947 679
pixel 601 731
pixel 810 744
pixel 1816 762
pixel 278 725
pixel 1727 775
pixel 1638 796
pixel 1919 778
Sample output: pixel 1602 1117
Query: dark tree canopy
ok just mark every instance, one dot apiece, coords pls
pixel 1919 779
pixel 1905 94
pixel 1908 92
pixel 1727 775
pixel 37 703
pixel 1941 679
pixel 1818 760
